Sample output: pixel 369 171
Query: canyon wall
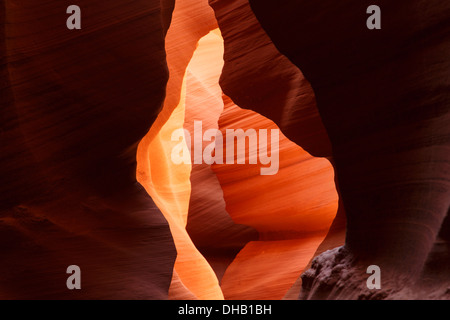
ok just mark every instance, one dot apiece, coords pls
pixel 382 96
pixel 74 105
pixel 87 139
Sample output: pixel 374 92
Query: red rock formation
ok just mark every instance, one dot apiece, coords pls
pixel 269 83
pixel 273 87
pixel 304 222
pixel 382 97
pixel 69 135
pixel 207 216
pixel 243 190
pixel 74 104
pixel 291 224
pixel 166 182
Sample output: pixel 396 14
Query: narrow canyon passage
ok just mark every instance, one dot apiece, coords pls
pixel 224 149
pixel 232 226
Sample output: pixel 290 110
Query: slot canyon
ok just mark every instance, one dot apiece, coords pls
pixel 363 156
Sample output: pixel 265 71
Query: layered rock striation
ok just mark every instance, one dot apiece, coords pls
pixel 382 98
pixel 87 141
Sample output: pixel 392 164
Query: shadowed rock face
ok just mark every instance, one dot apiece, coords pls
pixel 273 86
pixel 257 77
pixel 74 105
pixel 383 98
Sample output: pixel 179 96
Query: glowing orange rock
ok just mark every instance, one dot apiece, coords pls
pixel 167 183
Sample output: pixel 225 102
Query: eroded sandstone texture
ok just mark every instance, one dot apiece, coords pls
pixel 74 105
pixel 86 172
pixel 383 98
